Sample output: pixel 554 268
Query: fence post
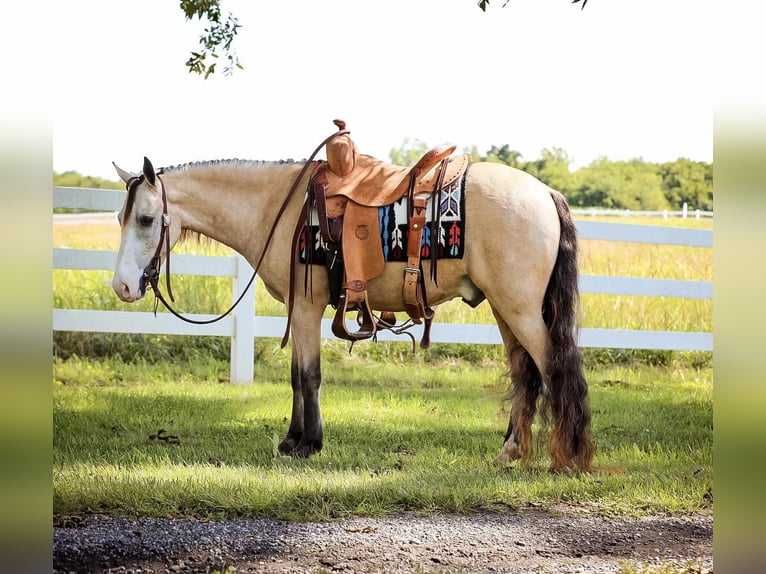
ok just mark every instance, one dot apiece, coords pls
pixel 243 341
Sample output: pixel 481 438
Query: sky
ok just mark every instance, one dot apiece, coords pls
pixel 620 79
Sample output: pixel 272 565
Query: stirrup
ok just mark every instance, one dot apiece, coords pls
pixel 367 326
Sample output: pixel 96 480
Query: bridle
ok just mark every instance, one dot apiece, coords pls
pixel 151 273
pixel 152 270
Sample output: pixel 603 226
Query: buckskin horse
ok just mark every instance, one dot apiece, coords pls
pixel 519 252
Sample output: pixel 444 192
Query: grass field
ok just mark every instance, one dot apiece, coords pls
pixel 398 437
pixel 403 431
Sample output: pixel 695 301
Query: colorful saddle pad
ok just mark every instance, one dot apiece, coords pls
pixel 392 223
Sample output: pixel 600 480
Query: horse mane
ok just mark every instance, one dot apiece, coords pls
pixel 199 238
pixel 224 163
pixel 188 234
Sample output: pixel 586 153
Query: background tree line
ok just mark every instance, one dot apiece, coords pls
pixel 74 179
pixel 634 184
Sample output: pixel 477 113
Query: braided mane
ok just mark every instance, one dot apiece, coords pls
pixel 225 163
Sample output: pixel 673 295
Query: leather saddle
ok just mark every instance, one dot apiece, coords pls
pixel 347 191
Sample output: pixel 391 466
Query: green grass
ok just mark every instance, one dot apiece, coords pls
pixel 398 437
pixel 403 431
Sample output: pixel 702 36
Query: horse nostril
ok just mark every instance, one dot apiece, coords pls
pixel 124 292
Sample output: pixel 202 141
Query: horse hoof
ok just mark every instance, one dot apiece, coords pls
pixel 509 452
pixel 305 450
pixel 298 449
pixel 287 446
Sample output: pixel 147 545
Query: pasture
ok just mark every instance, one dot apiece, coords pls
pixel 404 431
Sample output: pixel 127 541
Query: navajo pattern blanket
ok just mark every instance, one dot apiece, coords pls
pixel 449 238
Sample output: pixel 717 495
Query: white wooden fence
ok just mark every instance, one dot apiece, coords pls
pixel 242 325
pixel 684 213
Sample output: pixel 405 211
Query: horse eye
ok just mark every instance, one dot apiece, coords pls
pixel 145 220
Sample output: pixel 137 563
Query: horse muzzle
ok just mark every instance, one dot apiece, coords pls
pixel 128 293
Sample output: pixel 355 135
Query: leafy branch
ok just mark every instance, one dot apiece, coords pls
pixel 216 38
pixel 484 3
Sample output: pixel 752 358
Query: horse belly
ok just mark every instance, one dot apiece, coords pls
pixel 385 291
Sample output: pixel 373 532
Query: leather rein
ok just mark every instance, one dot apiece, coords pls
pixel 152 271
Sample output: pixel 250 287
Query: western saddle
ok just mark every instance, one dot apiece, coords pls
pixel 347 191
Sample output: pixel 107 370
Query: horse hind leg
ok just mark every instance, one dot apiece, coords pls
pixel 546 365
pixel 526 383
pixel 550 340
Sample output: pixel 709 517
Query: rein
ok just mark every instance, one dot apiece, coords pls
pixel 151 272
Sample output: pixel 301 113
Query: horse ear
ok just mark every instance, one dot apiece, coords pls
pixel 149 172
pixel 124 175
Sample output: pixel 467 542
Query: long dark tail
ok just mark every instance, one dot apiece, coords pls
pixel 565 397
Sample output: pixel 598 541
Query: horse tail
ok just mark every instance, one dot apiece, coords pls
pixel 565 397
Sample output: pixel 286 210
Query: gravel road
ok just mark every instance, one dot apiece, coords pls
pixel 522 542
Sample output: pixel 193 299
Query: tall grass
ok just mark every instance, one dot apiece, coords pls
pixel 91 289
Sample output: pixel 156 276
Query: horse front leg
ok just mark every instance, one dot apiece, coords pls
pixel 295 432
pixel 305 435
pixel 313 436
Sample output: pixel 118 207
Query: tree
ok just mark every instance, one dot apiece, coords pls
pixel 75 179
pixel 473 151
pixel 409 153
pixel 219 36
pixel 552 169
pixel 633 184
pixel 504 154
pixel 687 181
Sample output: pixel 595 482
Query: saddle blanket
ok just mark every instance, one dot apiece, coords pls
pixel 392 223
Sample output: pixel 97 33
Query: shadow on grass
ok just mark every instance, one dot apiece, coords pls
pixel 381 456
pixel 187 429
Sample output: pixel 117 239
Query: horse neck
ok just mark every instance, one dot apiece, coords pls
pixel 232 202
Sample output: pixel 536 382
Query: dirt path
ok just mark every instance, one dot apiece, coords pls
pixel 528 541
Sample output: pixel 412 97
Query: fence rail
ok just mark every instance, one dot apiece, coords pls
pixel 242 326
pixel 684 213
